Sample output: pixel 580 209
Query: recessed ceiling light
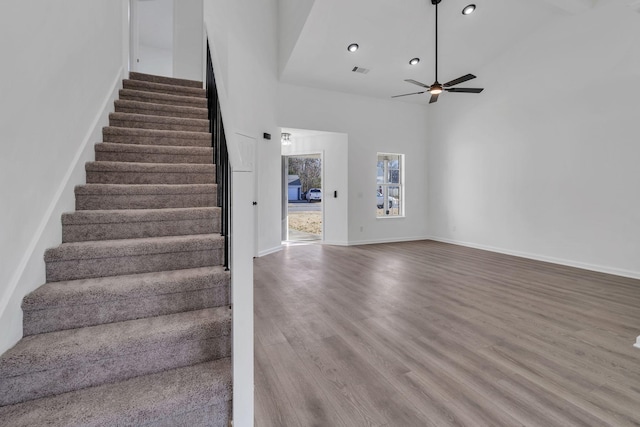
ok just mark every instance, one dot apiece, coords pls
pixel 353 47
pixel 414 61
pixel 468 10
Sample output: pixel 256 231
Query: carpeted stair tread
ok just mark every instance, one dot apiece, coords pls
pixel 149 173
pixel 138 215
pixel 162 98
pixel 148 167
pixel 156 137
pixel 137 153
pixel 73 304
pixel 107 151
pixel 147 108
pixel 144 196
pixel 145 400
pixel 101 189
pixel 144 121
pixel 138 223
pixel 164 88
pixel 77 346
pixel 133 75
pixel 132 247
pixel 132 286
pixel 83 260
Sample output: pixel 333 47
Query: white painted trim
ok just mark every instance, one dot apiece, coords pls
pixel 537 257
pixel 637 344
pixel 270 251
pixel 51 218
pixel 241 251
pixel 388 240
pixel 334 243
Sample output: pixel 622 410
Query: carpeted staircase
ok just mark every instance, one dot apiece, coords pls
pixel 133 325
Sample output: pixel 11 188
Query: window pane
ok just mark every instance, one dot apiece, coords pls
pixel 394 176
pixel 389 185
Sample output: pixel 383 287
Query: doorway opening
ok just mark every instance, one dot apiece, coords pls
pixel 304 197
pixel 151 27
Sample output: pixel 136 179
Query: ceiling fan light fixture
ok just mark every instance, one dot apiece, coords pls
pixel 414 61
pixel 353 47
pixel 435 89
pixel 468 10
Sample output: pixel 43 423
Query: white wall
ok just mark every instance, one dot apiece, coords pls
pixel 544 163
pixel 155 50
pixel 244 50
pixel 372 125
pixel 335 152
pixel 154 60
pixel 292 16
pixel 188 31
pixel 62 64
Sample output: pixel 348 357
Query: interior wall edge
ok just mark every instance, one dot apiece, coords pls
pixel 30 272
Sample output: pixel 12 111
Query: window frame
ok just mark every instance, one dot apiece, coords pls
pixel 385 185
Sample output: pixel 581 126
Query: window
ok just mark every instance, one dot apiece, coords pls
pixel 389 181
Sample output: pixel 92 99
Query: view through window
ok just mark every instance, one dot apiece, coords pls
pixel 389 192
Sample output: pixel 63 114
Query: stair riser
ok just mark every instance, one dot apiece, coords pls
pixel 158 98
pixel 157 139
pixel 165 112
pixel 150 178
pixel 136 230
pixel 164 80
pixel 161 88
pixel 137 124
pixel 143 201
pixel 55 381
pixel 114 156
pixel 78 316
pixel 209 416
pixel 101 267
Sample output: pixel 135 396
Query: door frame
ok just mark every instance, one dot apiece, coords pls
pixel 285 190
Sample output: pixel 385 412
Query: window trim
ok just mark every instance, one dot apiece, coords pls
pixel 385 185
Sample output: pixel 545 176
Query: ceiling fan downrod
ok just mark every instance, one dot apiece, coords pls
pixel 435 3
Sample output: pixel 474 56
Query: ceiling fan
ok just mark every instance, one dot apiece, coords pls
pixel 436 88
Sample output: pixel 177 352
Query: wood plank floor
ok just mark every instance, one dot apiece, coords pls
pixel 431 334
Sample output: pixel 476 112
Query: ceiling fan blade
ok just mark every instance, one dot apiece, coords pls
pixel 407 94
pixel 459 80
pixel 417 83
pixel 465 90
pixel 434 98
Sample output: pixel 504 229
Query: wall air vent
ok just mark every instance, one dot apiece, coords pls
pixel 360 70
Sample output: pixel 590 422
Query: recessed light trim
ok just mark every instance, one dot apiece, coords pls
pixel 414 61
pixel 353 47
pixel 468 10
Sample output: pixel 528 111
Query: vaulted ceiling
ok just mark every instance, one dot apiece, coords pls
pixel 314 35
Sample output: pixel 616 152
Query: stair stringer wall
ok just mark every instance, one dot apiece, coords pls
pixel 30 272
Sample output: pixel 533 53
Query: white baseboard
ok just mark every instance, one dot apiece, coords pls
pixel 270 251
pixel 30 272
pixel 388 240
pixel 538 257
pixel 335 243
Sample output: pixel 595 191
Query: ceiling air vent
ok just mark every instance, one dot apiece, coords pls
pixel 360 70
